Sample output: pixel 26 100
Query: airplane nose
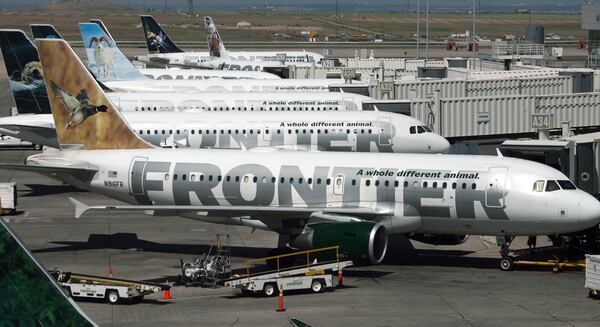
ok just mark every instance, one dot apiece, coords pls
pixel 589 211
pixel 438 144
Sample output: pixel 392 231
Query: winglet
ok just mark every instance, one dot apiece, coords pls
pixel 499 153
pixel 80 207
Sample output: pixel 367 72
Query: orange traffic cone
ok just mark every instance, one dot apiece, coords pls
pixel 340 279
pixel 280 302
pixel 167 295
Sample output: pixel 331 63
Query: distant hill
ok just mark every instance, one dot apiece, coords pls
pixel 343 5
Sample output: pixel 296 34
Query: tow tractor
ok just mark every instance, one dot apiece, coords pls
pixel 557 257
pixel 112 290
pixel 314 272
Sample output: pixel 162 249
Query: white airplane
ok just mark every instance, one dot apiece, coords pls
pixel 157 40
pixel 312 199
pixel 357 131
pixel 46 31
pixel 200 120
pixel 113 69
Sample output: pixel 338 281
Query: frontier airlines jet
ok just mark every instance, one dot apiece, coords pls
pixel 311 199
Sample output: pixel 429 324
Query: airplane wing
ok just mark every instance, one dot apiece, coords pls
pixel 34 134
pixel 324 213
pixel 80 173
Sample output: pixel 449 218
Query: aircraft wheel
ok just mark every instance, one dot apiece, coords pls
pixel 507 264
pixel 592 294
pixel 556 269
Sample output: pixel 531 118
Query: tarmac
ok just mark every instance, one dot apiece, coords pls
pixel 418 284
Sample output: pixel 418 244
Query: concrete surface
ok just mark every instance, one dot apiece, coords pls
pixel 422 285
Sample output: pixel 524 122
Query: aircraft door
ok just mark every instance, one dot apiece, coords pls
pixel 385 131
pixel 136 175
pixel 267 134
pixel 495 194
pixel 338 184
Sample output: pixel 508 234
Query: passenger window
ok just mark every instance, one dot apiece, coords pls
pixel 246 179
pixel 552 186
pixel 377 183
pixel 473 186
pixel 434 185
pixel 368 182
pixel 424 184
pixel 328 181
pixel 444 185
pixel 309 181
pixel 464 186
pixel 405 184
pixel 354 182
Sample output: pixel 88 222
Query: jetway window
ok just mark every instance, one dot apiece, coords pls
pixel 567 185
pixel 552 186
pixel 538 186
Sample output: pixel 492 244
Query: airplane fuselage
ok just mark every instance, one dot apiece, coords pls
pixel 447 194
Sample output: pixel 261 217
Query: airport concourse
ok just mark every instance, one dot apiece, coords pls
pixel 277 163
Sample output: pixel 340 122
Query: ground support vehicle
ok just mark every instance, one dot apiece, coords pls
pixel 556 257
pixel 592 275
pixel 112 290
pixel 209 268
pixel 314 274
pixel 8 198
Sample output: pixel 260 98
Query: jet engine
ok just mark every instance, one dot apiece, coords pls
pixel 363 242
pixel 439 239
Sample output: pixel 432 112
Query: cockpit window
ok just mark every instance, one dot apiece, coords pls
pixel 420 129
pixel 552 186
pixel 413 129
pixel 538 186
pixel 567 185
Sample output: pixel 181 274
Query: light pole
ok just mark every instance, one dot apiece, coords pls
pixel 474 36
pixel 418 26
pixel 426 32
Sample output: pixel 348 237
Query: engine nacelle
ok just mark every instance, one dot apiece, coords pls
pixel 364 242
pixel 439 239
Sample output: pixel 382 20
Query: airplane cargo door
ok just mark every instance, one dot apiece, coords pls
pixel 338 184
pixel 385 131
pixel 136 175
pixel 495 194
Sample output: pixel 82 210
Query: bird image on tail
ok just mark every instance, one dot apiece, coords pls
pixel 78 107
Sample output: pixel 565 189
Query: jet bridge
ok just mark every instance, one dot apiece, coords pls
pixel 576 156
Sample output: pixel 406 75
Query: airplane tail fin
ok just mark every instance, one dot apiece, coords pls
pixel 103 27
pixel 44 31
pixel 83 115
pixel 25 74
pixel 105 59
pixel 157 39
pixel 216 48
